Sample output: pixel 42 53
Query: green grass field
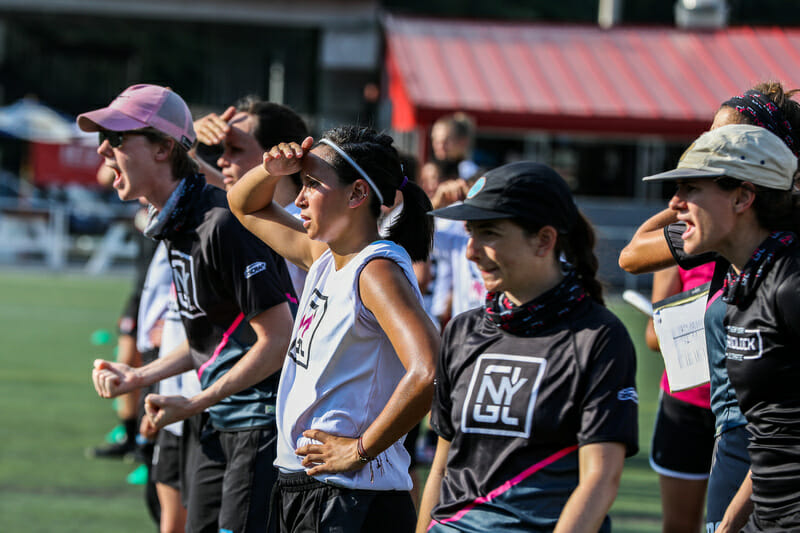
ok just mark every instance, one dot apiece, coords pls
pixel 50 413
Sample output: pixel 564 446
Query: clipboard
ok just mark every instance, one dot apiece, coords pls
pixel 679 325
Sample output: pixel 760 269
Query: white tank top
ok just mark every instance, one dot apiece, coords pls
pixel 341 369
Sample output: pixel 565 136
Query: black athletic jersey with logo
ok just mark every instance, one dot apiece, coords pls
pixel 515 410
pixel 763 360
pixel 224 276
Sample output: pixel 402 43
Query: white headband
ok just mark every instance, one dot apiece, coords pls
pixel 354 165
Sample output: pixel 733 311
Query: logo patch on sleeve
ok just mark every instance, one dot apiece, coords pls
pixel 254 268
pixel 502 395
pixel 628 394
pixel 741 344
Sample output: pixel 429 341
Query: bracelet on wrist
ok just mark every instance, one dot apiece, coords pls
pixel 362 453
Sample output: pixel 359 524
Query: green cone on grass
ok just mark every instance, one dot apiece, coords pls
pixel 138 476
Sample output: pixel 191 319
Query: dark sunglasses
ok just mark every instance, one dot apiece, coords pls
pixel 115 138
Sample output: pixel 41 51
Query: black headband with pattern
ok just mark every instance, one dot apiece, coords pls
pixel 765 114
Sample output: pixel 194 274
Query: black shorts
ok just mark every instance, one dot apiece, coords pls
pixel 166 460
pixel 300 503
pixel 683 440
pixel 189 448
pixel 728 469
pixel 231 478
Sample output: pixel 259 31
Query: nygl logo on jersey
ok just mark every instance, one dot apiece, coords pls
pixel 741 343
pixel 307 327
pixel 183 277
pixel 502 395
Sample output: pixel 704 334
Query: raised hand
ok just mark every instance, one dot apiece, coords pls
pixel 212 128
pixel 449 192
pixel 286 158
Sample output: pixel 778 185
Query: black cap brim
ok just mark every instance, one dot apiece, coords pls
pixel 467 212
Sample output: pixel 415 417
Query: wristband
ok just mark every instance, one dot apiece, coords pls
pixel 362 453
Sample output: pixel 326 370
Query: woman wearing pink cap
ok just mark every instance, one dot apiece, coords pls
pixel 233 295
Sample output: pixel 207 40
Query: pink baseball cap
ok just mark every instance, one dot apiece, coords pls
pixel 141 106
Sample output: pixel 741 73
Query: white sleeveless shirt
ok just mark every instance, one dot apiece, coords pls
pixel 341 369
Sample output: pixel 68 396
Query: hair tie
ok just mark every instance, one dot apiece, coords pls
pixel 355 165
pixel 403 183
pixel 765 113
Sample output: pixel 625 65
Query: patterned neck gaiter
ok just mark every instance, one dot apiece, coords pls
pixel 738 289
pixel 540 313
pixel 170 220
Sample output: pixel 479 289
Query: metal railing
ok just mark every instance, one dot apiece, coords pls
pixel 39 232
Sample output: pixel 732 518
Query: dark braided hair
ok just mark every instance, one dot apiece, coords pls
pixel 375 154
pixel 577 247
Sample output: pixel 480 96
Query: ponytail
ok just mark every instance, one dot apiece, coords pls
pixel 375 154
pixel 413 228
pixel 578 247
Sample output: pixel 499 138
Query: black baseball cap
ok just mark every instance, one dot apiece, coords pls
pixel 525 190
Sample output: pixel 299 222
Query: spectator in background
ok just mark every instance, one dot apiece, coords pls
pixel 430 176
pixel 452 138
pixel 458 285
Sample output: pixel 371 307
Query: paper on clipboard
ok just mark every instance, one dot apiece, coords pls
pixel 678 322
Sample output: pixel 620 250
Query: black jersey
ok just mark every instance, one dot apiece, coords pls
pixel 763 339
pixel 224 276
pixel 516 409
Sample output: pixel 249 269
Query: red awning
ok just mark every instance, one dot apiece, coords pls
pixel 59 164
pixel 575 78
